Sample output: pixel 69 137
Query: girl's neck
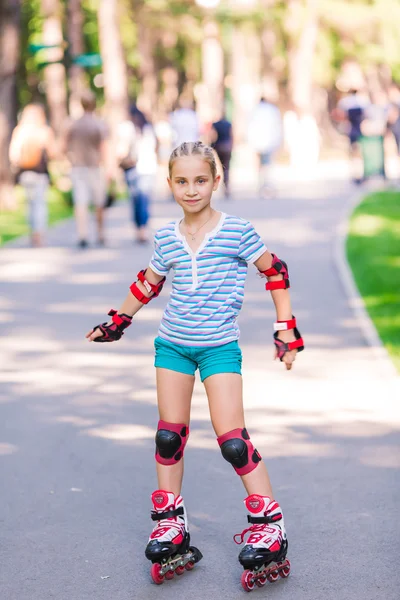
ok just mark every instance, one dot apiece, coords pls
pixel 191 220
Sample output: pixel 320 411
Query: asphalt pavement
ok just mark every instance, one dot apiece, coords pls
pixel 78 421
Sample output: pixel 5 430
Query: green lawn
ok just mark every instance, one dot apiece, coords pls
pixel 14 224
pixel 373 250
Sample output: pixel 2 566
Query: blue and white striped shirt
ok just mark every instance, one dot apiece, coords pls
pixel 208 285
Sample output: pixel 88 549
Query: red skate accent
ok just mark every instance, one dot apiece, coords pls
pixel 159 499
pixel 183 431
pixel 254 503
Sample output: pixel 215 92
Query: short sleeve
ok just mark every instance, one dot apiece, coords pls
pixel 157 262
pixel 251 247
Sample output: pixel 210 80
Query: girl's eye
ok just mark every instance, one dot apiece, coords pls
pixel 181 181
pixel 201 180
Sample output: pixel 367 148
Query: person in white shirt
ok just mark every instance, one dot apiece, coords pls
pixel 185 123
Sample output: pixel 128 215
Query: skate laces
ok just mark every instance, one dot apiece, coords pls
pixel 241 535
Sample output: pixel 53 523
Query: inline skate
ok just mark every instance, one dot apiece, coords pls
pixel 263 555
pixel 169 546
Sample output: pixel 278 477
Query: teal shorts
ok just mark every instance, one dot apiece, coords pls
pixel 210 360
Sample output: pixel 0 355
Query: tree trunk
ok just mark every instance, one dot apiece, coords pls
pixel 114 66
pixel 147 99
pixel 9 55
pixel 54 75
pixel 269 73
pixel 212 61
pixel 76 77
pixel 302 27
pixel 245 77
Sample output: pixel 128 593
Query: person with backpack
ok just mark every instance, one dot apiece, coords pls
pixel 265 137
pixel 137 155
pixel 32 145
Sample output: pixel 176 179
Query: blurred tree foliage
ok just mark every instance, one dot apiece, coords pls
pixel 363 30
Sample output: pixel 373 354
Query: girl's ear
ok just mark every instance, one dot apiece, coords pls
pixel 169 183
pixel 216 182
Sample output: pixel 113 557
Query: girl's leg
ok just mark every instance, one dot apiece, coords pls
pixel 174 395
pixel 225 399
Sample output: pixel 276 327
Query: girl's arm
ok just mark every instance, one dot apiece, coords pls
pixel 283 307
pixel 130 305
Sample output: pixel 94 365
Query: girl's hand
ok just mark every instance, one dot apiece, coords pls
pixel 92 335
pixel 289 357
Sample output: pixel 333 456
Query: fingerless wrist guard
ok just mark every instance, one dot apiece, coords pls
pixel 278 267
pixel 150 287
pixel 114 331
pixel 283 347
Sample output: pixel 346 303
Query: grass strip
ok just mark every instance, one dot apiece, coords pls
pixel 373 251
pixel 14 223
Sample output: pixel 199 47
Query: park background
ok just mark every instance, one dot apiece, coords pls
pixel 222 54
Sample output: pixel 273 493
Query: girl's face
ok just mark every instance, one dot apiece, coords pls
pixel 192 183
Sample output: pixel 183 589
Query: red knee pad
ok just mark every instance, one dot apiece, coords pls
pixel 238 450
pixel 171 440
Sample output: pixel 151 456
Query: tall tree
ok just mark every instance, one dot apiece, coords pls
pixel 54 75
pixel 302 27
pixel 76 46
pixel 114 66
pixel 9 55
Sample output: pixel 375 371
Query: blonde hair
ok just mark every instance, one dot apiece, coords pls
pixel 194 149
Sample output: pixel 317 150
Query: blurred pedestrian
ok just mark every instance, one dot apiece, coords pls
pixel 32 145
pixel 185 123
pixel 303 140
pixel 265 137
pixel 222 142
pixel 137 152
pixel 394 117
pixel 85 143
pixel 351 111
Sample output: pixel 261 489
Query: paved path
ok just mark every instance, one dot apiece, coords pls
pixel 78 420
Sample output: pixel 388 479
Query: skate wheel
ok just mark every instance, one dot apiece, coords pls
pixel 261 581
pixel 189 565
pixel 180 570
pixel 155 574
pixel 285 571
pixel 247 580
pixel 169 575
pixel 273 576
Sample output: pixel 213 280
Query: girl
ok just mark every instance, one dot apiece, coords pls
pixel 209 252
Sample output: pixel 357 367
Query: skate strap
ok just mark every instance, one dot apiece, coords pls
pixel 257 520
pixel 177 512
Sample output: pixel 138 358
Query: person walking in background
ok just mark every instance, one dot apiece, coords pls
pixel 85 146
pixel 222 142
pixel 185 123
pixel 351 110
pixel 265 137
pixel 137 154
pixel 32 145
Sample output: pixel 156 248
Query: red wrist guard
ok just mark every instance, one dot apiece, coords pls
pixel 283 347
pixel 278 267
pixel 114 332
pixel 150 287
